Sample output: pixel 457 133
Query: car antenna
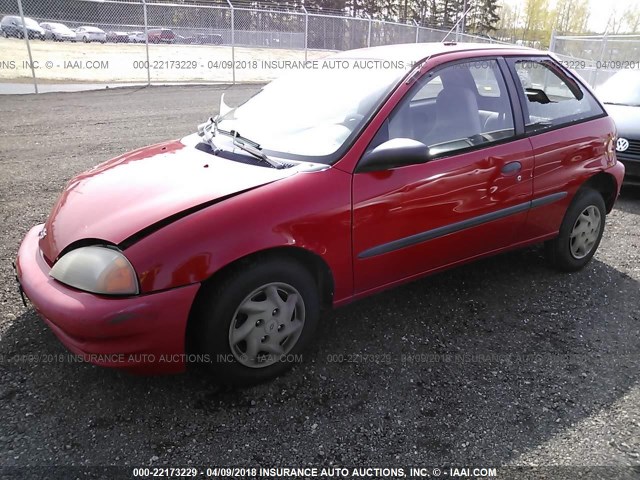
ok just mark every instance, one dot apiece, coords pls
pixel 456 26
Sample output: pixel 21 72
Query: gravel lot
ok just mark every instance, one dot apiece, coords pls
pixel 516 364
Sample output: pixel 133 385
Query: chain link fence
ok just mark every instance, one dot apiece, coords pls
pixel 155 41
pixel 597 57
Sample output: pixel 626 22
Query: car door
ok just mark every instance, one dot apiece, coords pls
pixel 468 198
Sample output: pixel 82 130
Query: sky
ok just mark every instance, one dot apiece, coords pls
pixel 600 11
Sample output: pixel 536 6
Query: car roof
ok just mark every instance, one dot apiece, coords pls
pixel 417 51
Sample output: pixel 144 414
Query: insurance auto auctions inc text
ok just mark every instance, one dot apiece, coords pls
pixel 356 472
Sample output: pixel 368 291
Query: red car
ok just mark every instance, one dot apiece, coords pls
pixel 161 35
pixel 350 176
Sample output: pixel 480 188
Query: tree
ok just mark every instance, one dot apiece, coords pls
pixel 425 12
pixel 615 22
pixel 483 17
pixel 510 21
pixel 632 19
pixel 571 16
pixel 536 16
pixel 450 12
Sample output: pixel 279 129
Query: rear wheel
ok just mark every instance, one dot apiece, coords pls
pixel 580 232
pixel 85 39
pixel 254 323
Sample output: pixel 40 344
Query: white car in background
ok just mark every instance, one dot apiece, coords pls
pixel 136 37
pixel 90 34
pixel 58 32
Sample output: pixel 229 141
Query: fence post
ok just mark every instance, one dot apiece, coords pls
pixel 463 23
pixel 146 40
pixel 417 30
pixel 25 33
pixel 602 54
pixel 552 41
pixel 369 32
pixel 306 31
pixel 233 42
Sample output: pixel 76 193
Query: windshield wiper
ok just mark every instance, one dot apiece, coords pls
pixel 210 129
pixel 251 147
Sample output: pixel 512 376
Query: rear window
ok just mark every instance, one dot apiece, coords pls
pixel 552 97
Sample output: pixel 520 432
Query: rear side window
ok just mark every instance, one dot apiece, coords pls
pixel 551 97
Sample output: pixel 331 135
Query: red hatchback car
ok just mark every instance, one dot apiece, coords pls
pixel 363 171
pixel 161 35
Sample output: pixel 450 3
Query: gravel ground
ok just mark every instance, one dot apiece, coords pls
pixel 503 362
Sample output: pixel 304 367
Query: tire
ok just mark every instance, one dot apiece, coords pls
pixel 85 39
pixel 246 297
pixel 580 232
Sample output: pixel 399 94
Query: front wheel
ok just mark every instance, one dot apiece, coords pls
pixel 254 323
pixel 85 39
pixel 580 232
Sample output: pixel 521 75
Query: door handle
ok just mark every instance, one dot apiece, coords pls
pixel 511 168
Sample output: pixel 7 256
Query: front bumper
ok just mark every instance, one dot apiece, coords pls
pixel 144 334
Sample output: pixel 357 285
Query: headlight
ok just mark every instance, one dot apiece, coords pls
pixel 97 269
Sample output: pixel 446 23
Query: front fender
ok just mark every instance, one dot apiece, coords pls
pixel 310 210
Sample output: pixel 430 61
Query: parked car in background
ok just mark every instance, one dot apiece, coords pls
pixel 58 32
pixel 185 40
pixel 621 97
pixel 136 37
pixel 90 34
pixel 209 39
pixel 117 37
pixel 344 182
pixel 12 27
pixel 161 35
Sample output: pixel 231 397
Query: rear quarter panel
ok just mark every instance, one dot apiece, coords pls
pixel 564 160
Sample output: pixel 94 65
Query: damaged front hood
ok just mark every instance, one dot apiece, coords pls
pixel 123 196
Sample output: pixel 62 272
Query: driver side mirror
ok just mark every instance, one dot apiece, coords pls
pixel 397 152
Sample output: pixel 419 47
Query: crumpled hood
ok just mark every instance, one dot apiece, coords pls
pixel 118 198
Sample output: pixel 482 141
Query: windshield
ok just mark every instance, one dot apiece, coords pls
pixel 312 112
pixel 621 89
